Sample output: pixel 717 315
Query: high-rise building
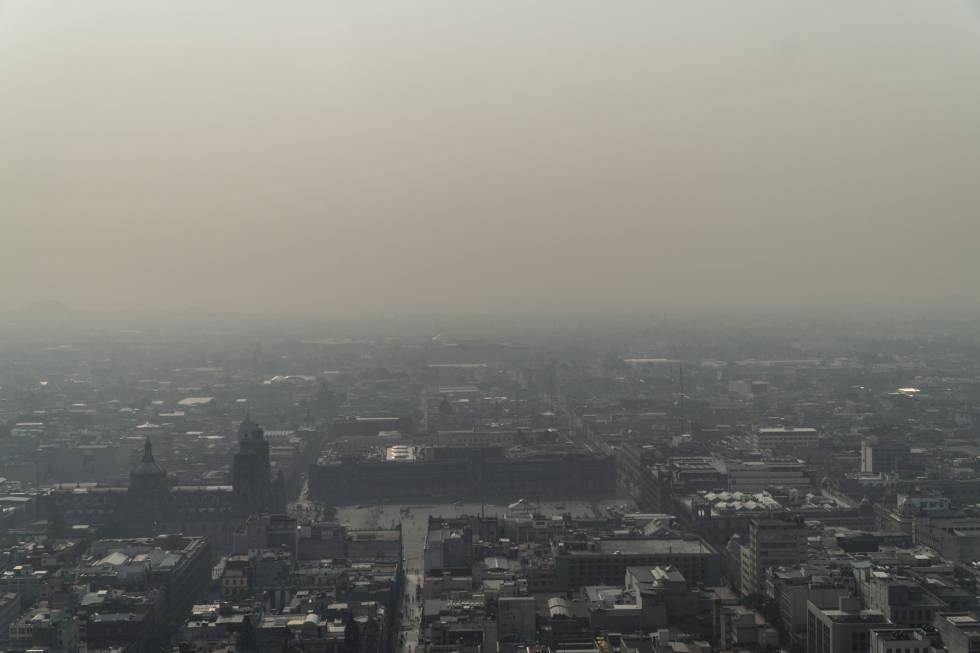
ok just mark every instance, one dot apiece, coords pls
pixel 773 542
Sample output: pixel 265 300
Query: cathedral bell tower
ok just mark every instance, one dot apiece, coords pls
pixel 251 471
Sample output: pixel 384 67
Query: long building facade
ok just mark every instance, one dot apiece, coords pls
pixel 475 473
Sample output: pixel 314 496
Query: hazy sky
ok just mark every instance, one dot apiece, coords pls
pixel 462 156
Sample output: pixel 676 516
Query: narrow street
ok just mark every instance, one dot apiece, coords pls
pixel 414 528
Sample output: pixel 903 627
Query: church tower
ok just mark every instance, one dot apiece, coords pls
pixel 251 470
pixel 148 488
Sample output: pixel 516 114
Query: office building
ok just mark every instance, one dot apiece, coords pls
pixel 772 543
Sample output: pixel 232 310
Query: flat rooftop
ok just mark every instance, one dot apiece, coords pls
pixel 649 547
pixel 375 535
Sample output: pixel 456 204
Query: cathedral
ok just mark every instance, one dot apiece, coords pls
pixel 152 503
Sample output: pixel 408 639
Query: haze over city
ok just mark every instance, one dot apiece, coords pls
pixel 444 326
pixel 458 157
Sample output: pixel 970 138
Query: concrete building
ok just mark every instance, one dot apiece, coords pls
pixel 647 484
pixel 844 630
pixel 742 628
pixel 756 475
pixel 794 589
pixel 960 631
pixel 878 456
pixel 956 538
pixel 902 600
pixel 900 640
pixel 772 543
pixel 661 594
pixel 604 562
pixel 178 566
pixel 784 439
pixel 448 548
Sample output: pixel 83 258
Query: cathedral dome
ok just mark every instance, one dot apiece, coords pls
pixel 148 467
